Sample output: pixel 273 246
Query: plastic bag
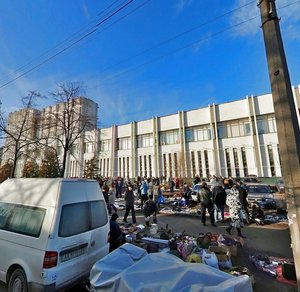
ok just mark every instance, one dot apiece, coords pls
pixel 161 199
pixel 210 259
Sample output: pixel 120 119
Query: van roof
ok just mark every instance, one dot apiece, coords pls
pixel 34 191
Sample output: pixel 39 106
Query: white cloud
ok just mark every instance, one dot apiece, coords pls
pixel 181 5
pixel 286 10
pixel 85 11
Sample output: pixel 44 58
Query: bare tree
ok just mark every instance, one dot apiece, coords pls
pixel 20 131
pixel 65 123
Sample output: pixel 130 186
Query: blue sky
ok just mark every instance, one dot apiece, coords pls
pixel 153 58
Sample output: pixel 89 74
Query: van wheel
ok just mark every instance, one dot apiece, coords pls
pixel 18 281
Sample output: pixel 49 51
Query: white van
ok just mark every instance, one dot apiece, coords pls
pixel 52 231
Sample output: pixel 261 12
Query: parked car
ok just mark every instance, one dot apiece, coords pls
pixel 260 193
pixel 52 231
pixel 280 186
pixel 196 190
pixel 251 179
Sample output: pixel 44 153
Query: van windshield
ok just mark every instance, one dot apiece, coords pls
pixel 21 219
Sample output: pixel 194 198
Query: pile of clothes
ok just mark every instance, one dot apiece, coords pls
pixel 281 268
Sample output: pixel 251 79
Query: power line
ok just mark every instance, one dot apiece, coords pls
pixel 177 36
pixel 203 39
pixel 73 43
pixel 66 40
pixel 86 34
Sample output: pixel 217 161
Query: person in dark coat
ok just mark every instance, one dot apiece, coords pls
pixel 243 194
pixel 219 198
pixel 129 204
pixel 206 201
pixel 150 209
pixel 115 233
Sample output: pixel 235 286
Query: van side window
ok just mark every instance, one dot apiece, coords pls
pixel 81 217
pixel 74 219
pixel 98 214
pixel 21 219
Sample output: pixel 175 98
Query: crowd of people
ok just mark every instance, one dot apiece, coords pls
pixel 215 193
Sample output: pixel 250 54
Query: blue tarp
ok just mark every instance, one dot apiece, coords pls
pixel 130 268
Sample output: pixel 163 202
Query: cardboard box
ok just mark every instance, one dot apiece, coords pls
pixel 233 249
pixel 222 252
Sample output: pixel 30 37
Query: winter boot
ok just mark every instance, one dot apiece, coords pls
pixel 240 233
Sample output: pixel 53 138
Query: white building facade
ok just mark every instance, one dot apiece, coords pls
pixel 235 139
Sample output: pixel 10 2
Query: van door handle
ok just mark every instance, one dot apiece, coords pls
pixel 93 243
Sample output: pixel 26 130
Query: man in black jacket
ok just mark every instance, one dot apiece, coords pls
pixel 129 204
pixel 219 198
pixel 206 201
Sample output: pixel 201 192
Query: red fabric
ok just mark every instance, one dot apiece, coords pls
pixel 281 279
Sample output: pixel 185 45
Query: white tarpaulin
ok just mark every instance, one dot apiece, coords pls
pixel 130 268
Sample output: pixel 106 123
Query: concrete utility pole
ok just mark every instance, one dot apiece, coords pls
pixel 286 119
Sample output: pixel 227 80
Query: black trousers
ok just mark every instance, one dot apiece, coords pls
pixel 128 208
pixel 210 211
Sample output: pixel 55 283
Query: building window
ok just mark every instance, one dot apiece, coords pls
pixel 279 157
pixel 271 160
pixel 150 165
pixel 124 166
pixel 105 145
pixel 124 143
pixel 175 164
pixel 100 166
pixel 120 166
pixel 165 165
pixel 169 137
pixel 107 171
pixel 228 163
pixel 104 169
pixel 201 133
pixel 170 165
pixel 128 167
pixel 244 158
pixel 200 164
pixel 88 147
pixel 266 124
pixel 231 129
pixel 141 165
pixel 236 162
pixel 144 140
pixel 145 165
pixel 206 163
pixel 193 163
